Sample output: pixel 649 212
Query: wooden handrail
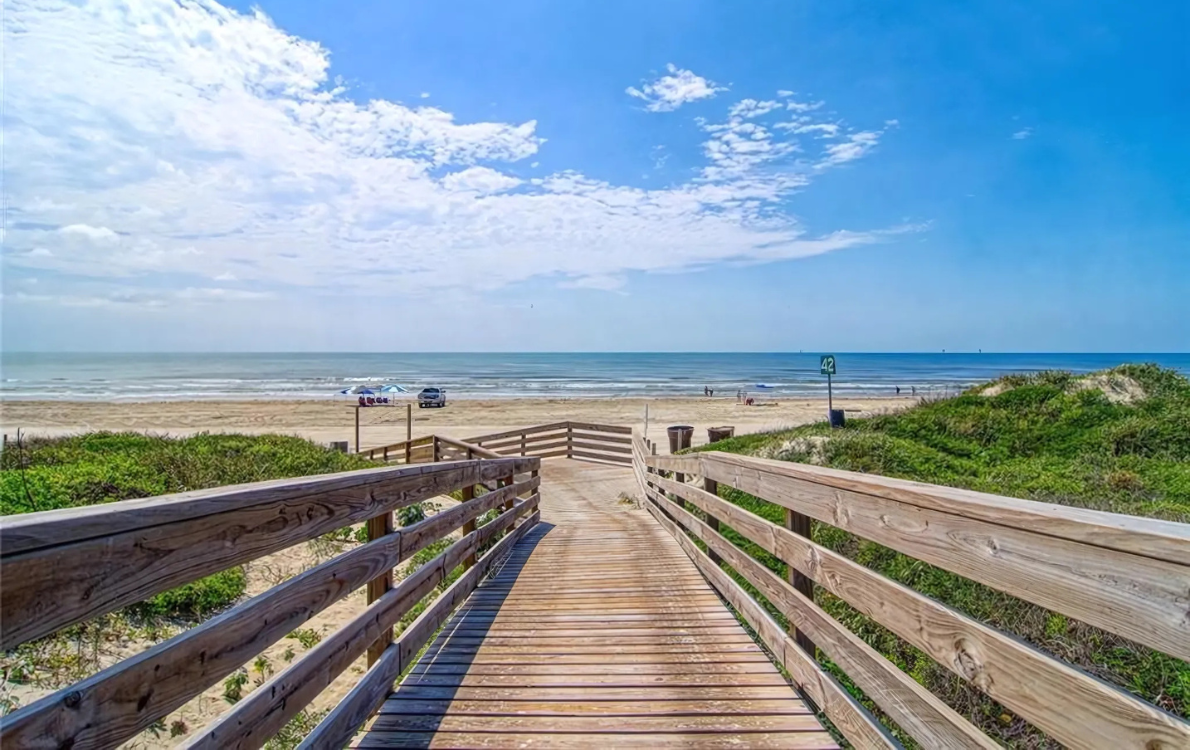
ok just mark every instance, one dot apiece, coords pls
pixel 477 451
pixel 552 427
pixel 265 711
pixel 397 450
pixel 1124 574
pixel 99 558
pixel 599 441
pixel 855 721
pixel 340 725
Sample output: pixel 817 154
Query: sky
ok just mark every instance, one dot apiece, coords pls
pixel 302 175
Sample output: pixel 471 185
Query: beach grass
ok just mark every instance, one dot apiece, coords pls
pixel 39 474
pixel 1116 440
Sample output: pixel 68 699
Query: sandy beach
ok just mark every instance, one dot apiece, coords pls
pixel 326 421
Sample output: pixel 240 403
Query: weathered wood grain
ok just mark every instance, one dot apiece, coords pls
pixel 600 446
pixel 98 574
pixel 600 613
pixel 615 429
pixel 127 697
pixel 515 443
pixel 483 439
pixel 602 437
pixel 267 709
pixel 341 723
pixel 914 708
pixel 1148 537
pixel 601 456
pixel 693 740
pixel 1017 675
pixel 855 722
pixel 690 464
pixel 1135 596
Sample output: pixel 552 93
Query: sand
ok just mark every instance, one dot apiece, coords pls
pixel 326 421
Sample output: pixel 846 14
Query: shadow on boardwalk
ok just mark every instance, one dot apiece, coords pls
pixel 420 702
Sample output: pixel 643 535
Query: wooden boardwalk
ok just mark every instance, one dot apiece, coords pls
pixel 597 632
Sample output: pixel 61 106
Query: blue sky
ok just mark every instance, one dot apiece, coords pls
pixel 396 176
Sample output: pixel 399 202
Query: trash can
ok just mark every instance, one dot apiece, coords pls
pixel 836 417
pixel 715 434
pixel 680 437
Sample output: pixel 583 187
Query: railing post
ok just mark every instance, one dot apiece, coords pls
pixel 469 494
pixel 385 454
pixel 378 586
pixel 506 481
pixel 569 441
pixel 437 450
pixel 712 487
pixel 802 526
pixel 522 442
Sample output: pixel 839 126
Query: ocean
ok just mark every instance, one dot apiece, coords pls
pixel 143 377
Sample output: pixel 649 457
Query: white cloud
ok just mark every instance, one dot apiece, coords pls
pixel 856 146
pixel 784 93
pixel 804 106
pixel 479 180
pixel 605 283
pixel 669 92
pixel 153 146
pixel 1022 134
pixel 749 108
pixel 826 129
pixel 425 95
pixel 90 232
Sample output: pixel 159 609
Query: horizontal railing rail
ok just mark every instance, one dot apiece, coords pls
pixel 600 442
pixel 1123 574
pixel 67 566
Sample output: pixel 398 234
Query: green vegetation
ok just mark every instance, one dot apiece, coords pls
pixel 48 473
pixel 38 474
pixel 308 637
pixel 1117 441
pixel 233 686
pixel 101 467
pixel 296 730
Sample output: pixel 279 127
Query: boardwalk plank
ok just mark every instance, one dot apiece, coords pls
pixel 599 633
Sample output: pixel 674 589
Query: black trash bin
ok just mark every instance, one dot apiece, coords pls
pixel 680 437
pixel 715 434
pixel 836 417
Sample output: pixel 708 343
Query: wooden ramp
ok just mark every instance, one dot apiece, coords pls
pixel 597 632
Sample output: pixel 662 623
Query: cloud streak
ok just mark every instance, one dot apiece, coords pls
pixel 164 152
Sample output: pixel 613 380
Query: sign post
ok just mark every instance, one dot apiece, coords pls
pixel 826 366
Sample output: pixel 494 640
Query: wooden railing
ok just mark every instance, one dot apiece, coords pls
pixel 599 442
pixel 66 566
pixel 1124 574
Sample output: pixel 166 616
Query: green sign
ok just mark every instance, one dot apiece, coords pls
pixel 826 364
